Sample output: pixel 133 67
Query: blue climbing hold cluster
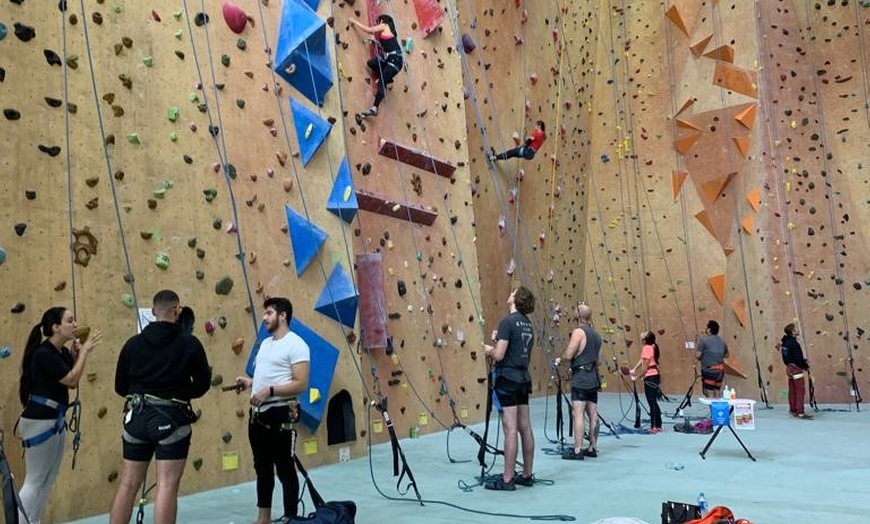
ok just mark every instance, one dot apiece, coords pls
pixel 301 57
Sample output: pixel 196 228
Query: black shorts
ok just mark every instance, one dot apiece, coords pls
pixel 161 432
pixel 511 393
pixel 584 395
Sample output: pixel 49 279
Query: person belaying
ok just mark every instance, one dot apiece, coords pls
pixel 388 62
pixel 533 142
pixel 647 368
pixel 712 352
pixel 796 365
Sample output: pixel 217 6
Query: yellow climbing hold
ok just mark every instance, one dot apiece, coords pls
pixel 348 191
pixel 313 395
pixel 308 131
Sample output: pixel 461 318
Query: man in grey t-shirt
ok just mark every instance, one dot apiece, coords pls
pixel 712 352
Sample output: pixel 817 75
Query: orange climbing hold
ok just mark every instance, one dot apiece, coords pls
pixel 737 79
pixel 686 105
pixel 685 143
pixel 676 18
pixel 711 189
pixel 685 124
pixel 739 308
pixel 742 143
pixel 747 223
pixel 717 284
pixel 724 53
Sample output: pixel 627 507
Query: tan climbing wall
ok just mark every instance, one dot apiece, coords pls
pixel 432 375
pixel 147 194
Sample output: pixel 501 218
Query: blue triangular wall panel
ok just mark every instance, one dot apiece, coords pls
pixel 324 358
pixel 313 4
pixel 311 130
pixel 301 57
pixel 305 237
pixel 339 298
pixel 342 200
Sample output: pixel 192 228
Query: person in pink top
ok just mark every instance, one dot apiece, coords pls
pixel 648 368
pixel 533 142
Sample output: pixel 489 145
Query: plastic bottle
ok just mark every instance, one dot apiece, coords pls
pixel 702 502
pixel 733 393
pixel 726 393
pixel 676 466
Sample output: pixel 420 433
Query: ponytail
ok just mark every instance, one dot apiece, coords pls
pixel 45 328
pixel 656 353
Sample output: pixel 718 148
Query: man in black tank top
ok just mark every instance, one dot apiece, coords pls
pixel 513 346
pixel 582 354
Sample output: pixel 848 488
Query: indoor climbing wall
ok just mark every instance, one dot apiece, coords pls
pixel 815 93
pixel 525 63
pixel 169 144
pixel 414 236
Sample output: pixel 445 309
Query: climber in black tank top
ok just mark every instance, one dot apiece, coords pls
pixel 388 62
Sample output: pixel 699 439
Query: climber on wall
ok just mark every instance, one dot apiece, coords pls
pixel 533 142
pixel 388 62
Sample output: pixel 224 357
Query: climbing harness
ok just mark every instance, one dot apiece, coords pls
pixel 58 428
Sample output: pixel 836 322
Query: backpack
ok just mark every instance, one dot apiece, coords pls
pixel 716 515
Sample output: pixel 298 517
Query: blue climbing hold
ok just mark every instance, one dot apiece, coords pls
pixel 2 256
pixel 311 130
pixel 342 200
pixel 5 352
pixel 605 159
pixel 339 299
pixel 301 57
pixel 305 237
pixel 3 31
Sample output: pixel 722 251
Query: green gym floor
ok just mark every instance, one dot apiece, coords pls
pixel 807 471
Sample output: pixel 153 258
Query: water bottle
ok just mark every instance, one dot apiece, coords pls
pixel 726 393
pixel 676 466
pixel 702 502
pixel 733 393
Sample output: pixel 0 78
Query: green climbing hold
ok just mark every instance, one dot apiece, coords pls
pixel 167 183
pixel 161 260
pixel 173 136
pixel 203 107
pixel 225 60
pixel 200 274
pixel 148 61
pixel 172 113
pixel 210 194
pixel 217 223
pixel 117 9
pixel 178 34
pixel 227 437
pixel 3 30
pixel 197 463
pixel 224 286
pixel 127 300
pixel 419 256
pixel 217 380
pixel 159 193
pixel 240 102
pixel 193 97
pixel 133 138
pixel 241 44
pixel 177 15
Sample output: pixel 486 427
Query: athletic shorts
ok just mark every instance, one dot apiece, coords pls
pixel 713 378
pixel 584 395
pixel 511 393
pixel 161 432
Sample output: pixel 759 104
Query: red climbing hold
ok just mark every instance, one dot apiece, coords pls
pixel 235 17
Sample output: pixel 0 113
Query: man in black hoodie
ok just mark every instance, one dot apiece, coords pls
pixel 159 371
pixel 795 364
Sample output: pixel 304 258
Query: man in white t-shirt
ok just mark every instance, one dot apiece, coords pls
pixel 280 373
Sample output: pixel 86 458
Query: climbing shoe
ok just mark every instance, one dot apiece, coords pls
pixel 500 485
pixel 571 455
pixel 520 480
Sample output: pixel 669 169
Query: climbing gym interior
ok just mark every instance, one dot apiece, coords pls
pixel 704 159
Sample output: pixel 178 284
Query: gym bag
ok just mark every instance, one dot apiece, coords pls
pixel 333 512
pixel 679 512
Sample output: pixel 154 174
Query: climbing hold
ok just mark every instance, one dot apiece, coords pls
pixel 2 74
pixel 19 307
pixel 126 81
pixel 173 136
pixel 217 380
pixel 102 412
pixel 217 223
pixel 50 150
pixel 240 102
pixel 11 114
pixel 468 44
pixel 118 111
pixel 241 44
pixel 200 19
pixel 53 102
pixel 238 345
pixel 2 256
pixel 235 17
pixel 97 18
pixel 222 322
pixel 159 193
pixel 210 194
pixel 113 476
pixel 214 130
pixel 161 260
pixel 402 288
pixel 200 274
pixel 197 463
pixel 225 60
pixel 224 286
pixel 148 61
pixel 5 352
pixel 409 44
pixel 187 159
pixel 191 242
pixel 209 327
pixel 51 57
pixel 127 300
pixel 25 33
pixel 313 395
pixel 133 138
pixel 20 228
pixel 3 31
pixel 179 54
pixel 227 437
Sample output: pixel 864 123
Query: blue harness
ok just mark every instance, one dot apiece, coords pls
pixel 59 425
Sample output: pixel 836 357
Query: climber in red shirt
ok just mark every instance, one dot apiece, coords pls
pixel 533 142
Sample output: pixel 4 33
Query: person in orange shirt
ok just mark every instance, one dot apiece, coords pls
pixel 533 142
pixel 649 370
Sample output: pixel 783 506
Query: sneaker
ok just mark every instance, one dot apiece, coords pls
pixel 500 485
pixel 591 453
pixel 804 416
pixel 372 111
pixel 571 455
pixel 520 480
